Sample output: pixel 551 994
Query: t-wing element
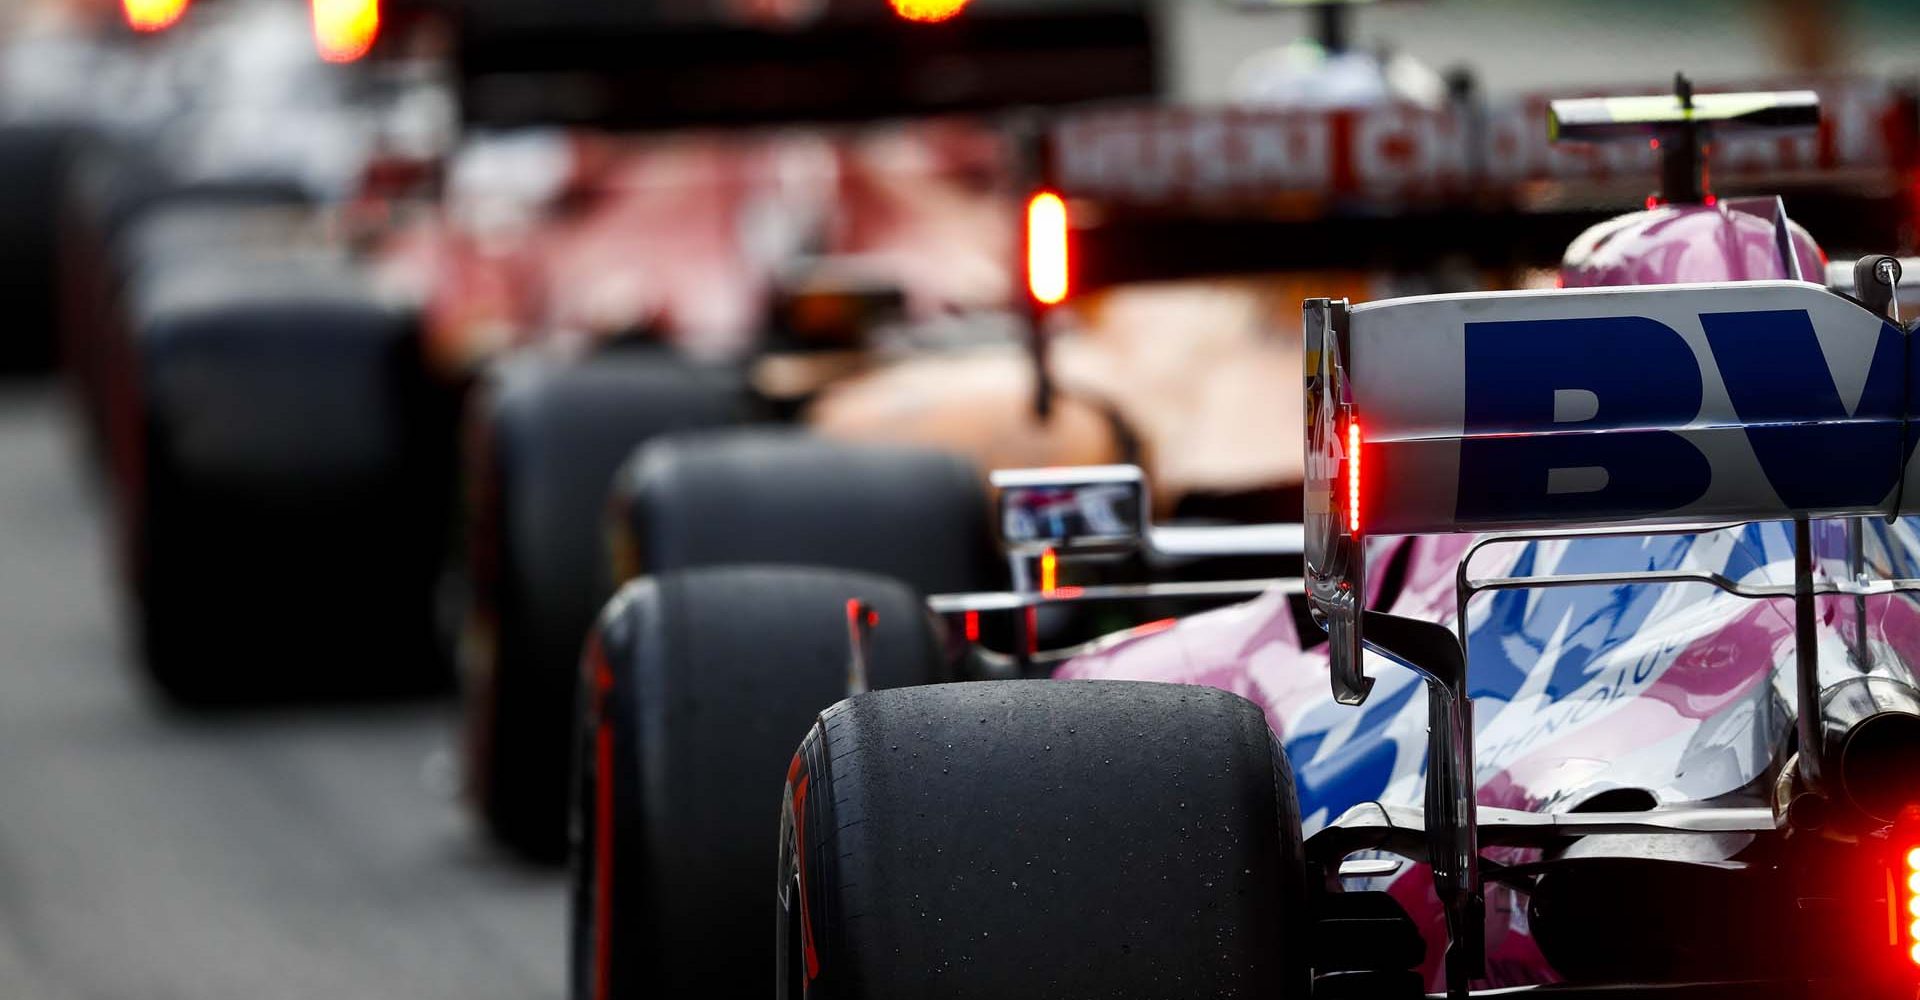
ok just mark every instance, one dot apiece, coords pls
pixel 1678 125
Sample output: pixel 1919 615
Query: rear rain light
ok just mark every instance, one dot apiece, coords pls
pixel 344 30
pixel 1906 873
pixel 1047 248
pixel 928 11
pixel 152 15
pixel 1353 477
pixel 1911 869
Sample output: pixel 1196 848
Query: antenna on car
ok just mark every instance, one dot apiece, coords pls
pixel 1045 251
pixel 1682 167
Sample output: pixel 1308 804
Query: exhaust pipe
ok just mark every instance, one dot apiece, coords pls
pixel 1870 744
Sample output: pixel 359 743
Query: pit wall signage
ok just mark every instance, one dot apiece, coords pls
pixel 1227 156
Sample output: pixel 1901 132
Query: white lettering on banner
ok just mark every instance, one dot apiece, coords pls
pixel 1208 155
pixel 1293 152
pixel 1201 156
pixel 1406 151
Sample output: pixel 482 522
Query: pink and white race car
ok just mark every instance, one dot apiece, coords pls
pixel 1613 695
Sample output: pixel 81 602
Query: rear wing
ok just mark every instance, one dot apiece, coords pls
pixel 1610 407
pixel 1166 192
pixel 624 64
pixel 1761 400
pixel 1651 409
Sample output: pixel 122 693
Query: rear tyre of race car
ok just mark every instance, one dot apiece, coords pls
pixel 107 255
pixel 33 169
pixel 1041 838
pixel 690 720
pixel 761 495
pixel 291 451
pixel 544 442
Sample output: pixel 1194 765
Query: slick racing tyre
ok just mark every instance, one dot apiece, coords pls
pixel 109 252
pixel 1041 839
pixel 174 251
pixel 544 440
pixel 289 451
pixel 777 496
pixel 699 682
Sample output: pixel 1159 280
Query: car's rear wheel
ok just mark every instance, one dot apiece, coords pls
pixel 767 495
pixel 1041 838
pixel 33 171
pixel 698 683
pixel 289 450
pixel 544 442
pixel 111 258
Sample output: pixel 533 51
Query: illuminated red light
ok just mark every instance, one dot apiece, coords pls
pixel 152 15
pixel 1653 202
pixel 854 607
pixel 1047 248
pixel 972 619
pixel 344 30
pixel 1353 477
pixel 1049 572
pixel 1911 860
pixel 928 11
pixel 1711 201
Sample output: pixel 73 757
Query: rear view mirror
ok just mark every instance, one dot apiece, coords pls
pixel 1084 510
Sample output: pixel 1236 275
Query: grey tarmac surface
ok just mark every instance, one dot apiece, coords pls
pixel 311 853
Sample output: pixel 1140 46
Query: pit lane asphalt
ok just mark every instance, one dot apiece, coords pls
pixel 294 854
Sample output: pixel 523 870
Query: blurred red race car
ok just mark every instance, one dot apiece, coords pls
pixel 285 399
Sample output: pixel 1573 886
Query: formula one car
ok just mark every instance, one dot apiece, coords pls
pixel 1632 770
pixel 684 282
pixel 240 372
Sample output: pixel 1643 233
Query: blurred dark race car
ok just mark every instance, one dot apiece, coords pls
pixel 239 373
pixel 1650 706
pixel 275 383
